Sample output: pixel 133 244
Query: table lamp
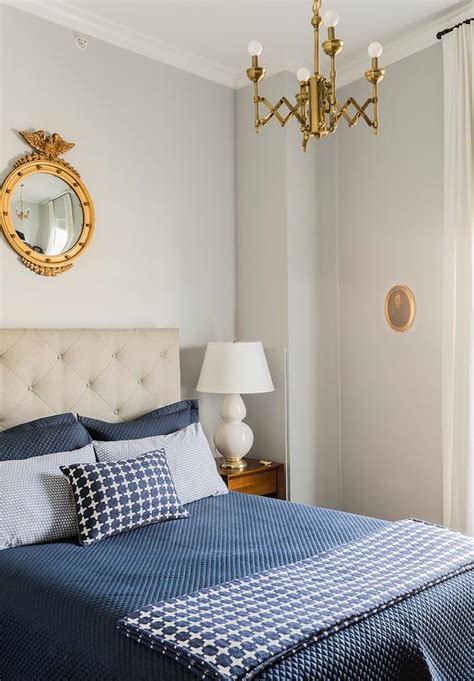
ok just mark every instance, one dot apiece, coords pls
pixel 230 369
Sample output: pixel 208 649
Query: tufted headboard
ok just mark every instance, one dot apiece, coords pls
pixel 110 374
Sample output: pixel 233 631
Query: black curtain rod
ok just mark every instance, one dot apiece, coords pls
pixel 448 30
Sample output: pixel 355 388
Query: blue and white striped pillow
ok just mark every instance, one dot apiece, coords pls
pixel 115 497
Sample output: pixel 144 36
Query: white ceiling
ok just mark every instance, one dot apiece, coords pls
pixel 40 187
pixel 210 37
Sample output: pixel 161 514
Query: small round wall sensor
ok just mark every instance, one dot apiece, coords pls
pixel 81 42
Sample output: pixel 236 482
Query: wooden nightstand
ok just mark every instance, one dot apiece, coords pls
pixel 268 481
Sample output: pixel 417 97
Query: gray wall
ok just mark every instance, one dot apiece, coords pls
pixel 262 269
pixel 321 238
pixel 155 147
pixel 313 369
pixel 390 231
pixel 286 253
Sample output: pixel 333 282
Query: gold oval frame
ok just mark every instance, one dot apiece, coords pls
pixel 47 265
pixel 412 303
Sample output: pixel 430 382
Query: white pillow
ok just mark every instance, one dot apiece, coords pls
pixel 189 457
pixel 36 503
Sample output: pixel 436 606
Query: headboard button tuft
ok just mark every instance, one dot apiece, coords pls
pixel 116 411
pixel 88 385
pixel 60 356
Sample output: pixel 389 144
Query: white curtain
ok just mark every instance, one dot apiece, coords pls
pixel 458 304
pixel 61 225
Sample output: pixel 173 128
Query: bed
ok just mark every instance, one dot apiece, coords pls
pixel 60 602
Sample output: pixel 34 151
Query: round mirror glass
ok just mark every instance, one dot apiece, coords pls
pixel 46 213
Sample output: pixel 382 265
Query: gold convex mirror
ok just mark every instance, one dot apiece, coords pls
pixel 47 213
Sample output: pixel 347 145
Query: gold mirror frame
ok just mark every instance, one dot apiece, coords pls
pixel 408 293
pixel 46 160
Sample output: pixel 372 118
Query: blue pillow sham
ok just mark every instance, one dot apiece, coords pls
pixel 161 421
pixel 112 498
pixel 59 433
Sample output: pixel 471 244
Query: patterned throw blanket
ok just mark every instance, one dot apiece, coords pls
pixel 234 630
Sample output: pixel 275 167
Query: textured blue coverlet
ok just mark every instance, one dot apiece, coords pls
pixel 59 603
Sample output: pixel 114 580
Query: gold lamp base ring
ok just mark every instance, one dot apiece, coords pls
pixel 235 464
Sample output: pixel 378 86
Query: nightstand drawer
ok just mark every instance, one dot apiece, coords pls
pixel 264 483
pixel 256 478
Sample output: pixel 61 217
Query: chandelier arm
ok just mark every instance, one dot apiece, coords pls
pixel 374 75
pixel 333 84
pixel 270 107
pixel 375 100
pixel 274 111
pixel 256 101
pixel 294 111
pixel 352 122
pixel 360 112
pixel 363 113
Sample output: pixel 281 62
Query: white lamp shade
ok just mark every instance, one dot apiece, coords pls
pixel 230 368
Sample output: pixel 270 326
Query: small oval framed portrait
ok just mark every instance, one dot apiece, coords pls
pixel 400 308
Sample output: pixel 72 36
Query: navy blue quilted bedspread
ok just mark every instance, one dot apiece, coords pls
pixel 59 603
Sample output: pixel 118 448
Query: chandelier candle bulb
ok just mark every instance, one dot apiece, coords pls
pixel 375 50
pixel 255 48
pixel 317 109
pixel 331 19
pixel 303 74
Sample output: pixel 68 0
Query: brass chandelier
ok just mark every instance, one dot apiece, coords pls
pixel 21 213
pixel 317 109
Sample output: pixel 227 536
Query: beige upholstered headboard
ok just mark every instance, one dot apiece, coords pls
pixel 110 374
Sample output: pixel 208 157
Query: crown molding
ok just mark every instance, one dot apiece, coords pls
pixel 84 21
pixel 404 46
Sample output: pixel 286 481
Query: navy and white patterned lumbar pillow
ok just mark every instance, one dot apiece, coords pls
pixel 115 497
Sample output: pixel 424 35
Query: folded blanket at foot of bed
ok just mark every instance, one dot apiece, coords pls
pixel 236 629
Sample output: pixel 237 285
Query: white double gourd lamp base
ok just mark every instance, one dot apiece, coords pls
pixel 230 369
pixel 233 438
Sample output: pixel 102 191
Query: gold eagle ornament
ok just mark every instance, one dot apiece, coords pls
pixel 49 146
